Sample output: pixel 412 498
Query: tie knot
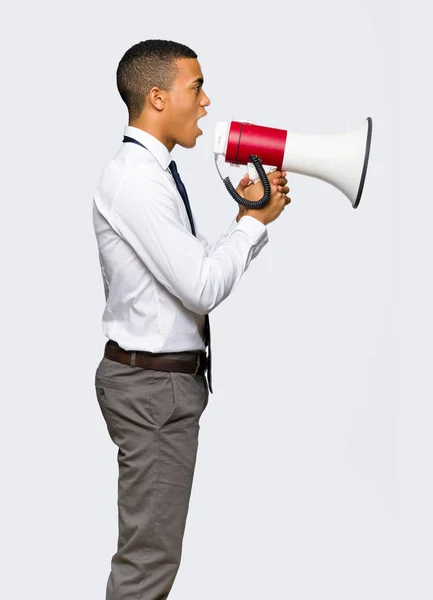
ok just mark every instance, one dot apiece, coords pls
pixel 173 167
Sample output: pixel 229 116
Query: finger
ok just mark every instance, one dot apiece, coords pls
pixel 275 176
pixel 280 181
pixel 283 190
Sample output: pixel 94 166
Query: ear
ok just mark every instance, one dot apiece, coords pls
pixel 157 98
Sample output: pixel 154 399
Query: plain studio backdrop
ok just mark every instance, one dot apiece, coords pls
pixel 313 476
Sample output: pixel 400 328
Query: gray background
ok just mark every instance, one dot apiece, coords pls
pixel 313 478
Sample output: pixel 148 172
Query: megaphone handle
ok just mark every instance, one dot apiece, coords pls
pixel 254 177
pixel 265 182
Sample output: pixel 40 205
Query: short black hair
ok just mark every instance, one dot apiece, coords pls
pixel 145 65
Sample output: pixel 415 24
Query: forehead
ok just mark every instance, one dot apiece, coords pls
pixel 189 70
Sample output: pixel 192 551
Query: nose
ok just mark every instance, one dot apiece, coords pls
pixel 205 101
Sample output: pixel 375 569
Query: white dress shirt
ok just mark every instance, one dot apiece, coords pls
pixel 159 279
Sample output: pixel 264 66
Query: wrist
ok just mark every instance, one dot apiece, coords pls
pixel 241 213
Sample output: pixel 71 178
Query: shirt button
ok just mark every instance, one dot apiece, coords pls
pixel 102 391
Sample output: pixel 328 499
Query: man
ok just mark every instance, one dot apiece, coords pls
pixel 161 279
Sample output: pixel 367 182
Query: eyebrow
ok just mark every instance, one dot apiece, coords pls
pixel 199 80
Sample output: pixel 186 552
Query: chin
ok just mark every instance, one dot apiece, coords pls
pixel 188 144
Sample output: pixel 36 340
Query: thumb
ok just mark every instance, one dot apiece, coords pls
pixel 244 182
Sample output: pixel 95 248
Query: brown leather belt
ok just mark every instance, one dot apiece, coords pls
pixel 158 362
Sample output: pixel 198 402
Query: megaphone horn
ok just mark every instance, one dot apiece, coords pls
pixel 340 159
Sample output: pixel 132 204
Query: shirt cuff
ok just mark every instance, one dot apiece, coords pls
pixel 255 229
pixel 231 227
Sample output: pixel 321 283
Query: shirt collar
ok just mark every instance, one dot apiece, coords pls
pixel 154 146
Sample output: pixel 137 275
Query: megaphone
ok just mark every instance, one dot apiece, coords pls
pixel 340 159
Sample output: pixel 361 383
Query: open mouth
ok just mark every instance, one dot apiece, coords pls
pixel 199 120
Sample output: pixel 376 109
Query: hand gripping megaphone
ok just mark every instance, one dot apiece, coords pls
pixel 340 159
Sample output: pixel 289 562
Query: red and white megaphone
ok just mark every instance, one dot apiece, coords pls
pixel 340 159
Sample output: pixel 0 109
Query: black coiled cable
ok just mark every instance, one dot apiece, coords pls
pixel 263 178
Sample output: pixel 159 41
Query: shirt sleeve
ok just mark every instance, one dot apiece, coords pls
pixel 211 247
pixel 145 214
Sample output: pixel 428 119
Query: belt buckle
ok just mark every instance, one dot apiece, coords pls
pixel 199 357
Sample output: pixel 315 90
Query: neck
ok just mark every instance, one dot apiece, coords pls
pixel 155 130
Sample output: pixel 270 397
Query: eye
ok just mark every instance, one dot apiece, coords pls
pixel 198 87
